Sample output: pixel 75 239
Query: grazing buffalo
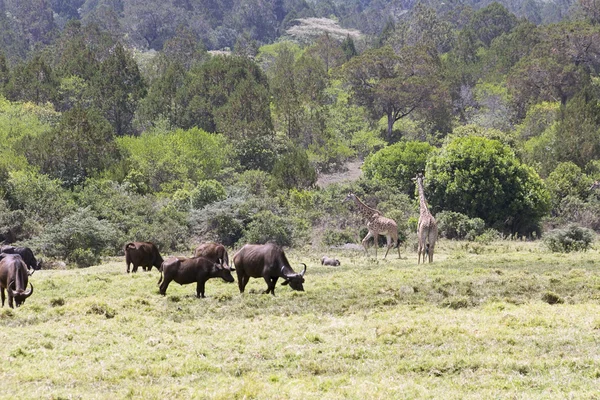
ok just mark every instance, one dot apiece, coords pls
pixel 14 278
pixel 27 256
pixel 213 251
pixel 267 261
pixel 330 261
pixel 142 254
pixel 189 270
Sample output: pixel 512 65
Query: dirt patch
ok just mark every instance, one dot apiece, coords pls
pixel 350 174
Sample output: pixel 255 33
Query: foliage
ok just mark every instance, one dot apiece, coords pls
pixel 79 238
pixel 206 192
pixel 482 178
pixel 567 179
pixel 571 238
pixel 170 159
pixel 454 225
pixel 266 227
pixel 292 170
pixel 398 164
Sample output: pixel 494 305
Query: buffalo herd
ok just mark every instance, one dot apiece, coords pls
pixel 210 260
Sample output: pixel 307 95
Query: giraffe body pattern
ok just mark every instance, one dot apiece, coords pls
pixel 377 225
pixel 427 230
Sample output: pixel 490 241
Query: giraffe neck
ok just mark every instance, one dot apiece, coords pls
pixel 422 203
pixel 366 211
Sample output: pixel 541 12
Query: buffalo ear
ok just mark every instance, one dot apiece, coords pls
pixel 287 281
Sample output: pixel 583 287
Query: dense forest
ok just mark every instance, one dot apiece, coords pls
pixel 191 120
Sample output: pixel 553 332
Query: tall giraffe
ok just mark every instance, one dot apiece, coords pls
pixel 377 225
pixel 427 228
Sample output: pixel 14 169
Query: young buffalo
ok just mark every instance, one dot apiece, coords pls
pixel 189 270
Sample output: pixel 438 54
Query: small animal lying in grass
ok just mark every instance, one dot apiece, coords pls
pixel 334 262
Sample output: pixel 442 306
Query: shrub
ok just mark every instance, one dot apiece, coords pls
pixel 293 170
pixel 335 237
pixel 206 192
pixel 483 178
pixel 266 227
pixel 84 258
pixel 81 230
pixel 572 238
pixel 454 225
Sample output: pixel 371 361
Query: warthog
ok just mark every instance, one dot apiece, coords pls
pixel 330 261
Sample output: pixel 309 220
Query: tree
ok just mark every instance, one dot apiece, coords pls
pixel 82 145
pixel 393 85
pixel 398 164
pixel 483 178
pixel 292 170
pixel 33 81
pixel 118 87
pixel 492 21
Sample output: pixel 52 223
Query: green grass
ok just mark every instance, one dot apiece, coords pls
pixel 477 323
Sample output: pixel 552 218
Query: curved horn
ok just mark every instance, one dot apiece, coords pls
pixel 11 292
pixel 302 273
pixel 29 292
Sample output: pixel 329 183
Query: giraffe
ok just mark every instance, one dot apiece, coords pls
pixel 377 225
pixel 427 230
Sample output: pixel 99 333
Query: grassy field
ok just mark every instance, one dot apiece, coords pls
pixel 507 320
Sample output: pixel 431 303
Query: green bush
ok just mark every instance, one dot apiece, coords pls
pixel 483 178
pixel 268 227
pixel 336 237
pixel 81 230
pixel 398 164
pixel 567 179
pixel 84 258
pixel 206 192
pixel 572 238
pixel 293 170
pixel 454 225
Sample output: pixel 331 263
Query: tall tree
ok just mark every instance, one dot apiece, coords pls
pixel 33 81
pixel 118 88
pixel 393 85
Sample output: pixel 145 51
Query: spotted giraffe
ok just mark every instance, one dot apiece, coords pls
pixel 427 228
pixel 377 225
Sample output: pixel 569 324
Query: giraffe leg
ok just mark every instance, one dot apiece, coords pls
pixel 389 244
pixel 365 243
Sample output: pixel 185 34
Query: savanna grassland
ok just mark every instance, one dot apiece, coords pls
pixel 477 323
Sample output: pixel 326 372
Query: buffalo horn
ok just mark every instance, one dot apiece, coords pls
pixel 29 292
pixel 11 293
pixel 302 274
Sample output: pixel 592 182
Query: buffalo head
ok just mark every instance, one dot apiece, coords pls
pixel 295 280
pixel 224 271
pixel 19 295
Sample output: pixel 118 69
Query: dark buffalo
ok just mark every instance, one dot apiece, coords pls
pixel 330 261
pixel 213 251
pixel 14 278
pixel 26 254
pixel 267 261
pixel 189 270
pixel 142 254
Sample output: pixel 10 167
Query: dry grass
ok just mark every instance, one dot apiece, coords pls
pixel 472 325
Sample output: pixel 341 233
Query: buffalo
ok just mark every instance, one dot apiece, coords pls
pixel 267 261
pixel 14 278
pixel 213 251
pixel 330 261
pixel 189 270
pixel 142 254
pixel 27 256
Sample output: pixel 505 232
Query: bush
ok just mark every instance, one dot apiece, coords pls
pixel 206 192
pixel 335 237
pixel 454 225
pixel 268 227
pixel 84 258
pixel 483 178
pixel 293 170
pixel 572 238
pixel 78 237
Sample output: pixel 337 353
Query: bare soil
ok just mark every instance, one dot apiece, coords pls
pixel 351 174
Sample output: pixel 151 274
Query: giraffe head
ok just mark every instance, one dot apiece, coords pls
pixel 418 177
pixel 351 196
pixel 595 185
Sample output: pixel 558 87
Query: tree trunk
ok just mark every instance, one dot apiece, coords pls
pixel 390 120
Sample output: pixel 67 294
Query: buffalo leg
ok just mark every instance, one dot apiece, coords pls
pixel 200 289
pixel 242 281
pixel 271 282
pixel 164 285
pixel 135 267
pixel 3 298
